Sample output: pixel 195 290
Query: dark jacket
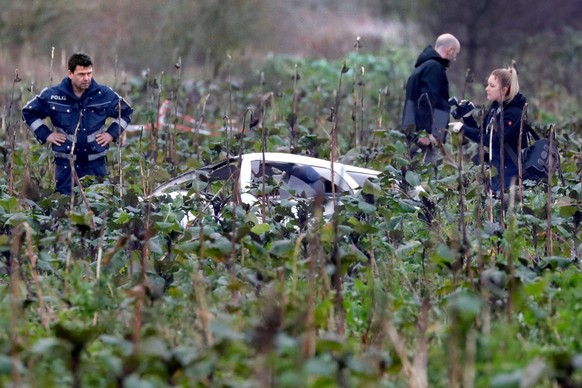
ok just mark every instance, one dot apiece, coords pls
pixel 512 114
pixel 97 104
pixel 427 94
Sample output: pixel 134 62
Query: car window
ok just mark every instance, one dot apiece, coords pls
pixel 209 180
pixel 180 183
pixel 219 172
pixel 341 185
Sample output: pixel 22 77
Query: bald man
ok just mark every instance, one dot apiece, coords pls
pixel 427 93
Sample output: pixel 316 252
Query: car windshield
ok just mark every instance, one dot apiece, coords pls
pixel 201 179
pixel 218 172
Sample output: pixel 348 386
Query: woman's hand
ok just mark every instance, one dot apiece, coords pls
pixel 455 126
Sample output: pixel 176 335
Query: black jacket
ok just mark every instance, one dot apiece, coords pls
pixel 427 94
pixel 512 113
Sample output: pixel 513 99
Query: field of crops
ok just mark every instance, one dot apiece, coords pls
pixel 448 288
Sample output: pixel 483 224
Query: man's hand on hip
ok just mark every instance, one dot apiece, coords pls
pixel 56 138
pixel 103 139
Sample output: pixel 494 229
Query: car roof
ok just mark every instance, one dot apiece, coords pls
pixel 307 160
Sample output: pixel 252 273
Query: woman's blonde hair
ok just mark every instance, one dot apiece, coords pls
pixel 507 78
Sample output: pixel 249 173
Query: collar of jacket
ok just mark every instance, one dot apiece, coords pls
pixel 430 53
pixel 517 101
pixel 67 88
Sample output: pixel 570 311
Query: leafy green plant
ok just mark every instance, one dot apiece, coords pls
pixel 400 287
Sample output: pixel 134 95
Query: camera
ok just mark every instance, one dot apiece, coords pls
pixel 460 109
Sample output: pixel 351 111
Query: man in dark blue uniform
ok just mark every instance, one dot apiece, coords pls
pixel 78 108
pixel 427 93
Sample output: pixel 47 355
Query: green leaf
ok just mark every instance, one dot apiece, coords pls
pixel 282 248
pixel 4 243
pixel 220 246
pixel 17 219
pixel 155 245
pixel 319 367
pixel 372 188
pixel 188 246
pixel 5 365
pixel 408 206
pixel 362 227
pixel 122 343
pixel 412 178
pixel 568 211
pixel 444 254
pixel 506 380
pixel 395 222
pixel 154 347
pixel 289 378
pixel 186 355
pixel 222 331
pixel 46 346
pixel 133 381
pixel 122 218
pixel 467 305
pixel 81 219
pixel 77 336
pixel 9 205
pixel 260 229
pixel 554 262
pixel 407 249
pixel 491 228
pixel 168 227
pixel 366 208
pixel 329 343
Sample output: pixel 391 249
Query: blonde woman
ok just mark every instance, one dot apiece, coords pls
pixel 505 115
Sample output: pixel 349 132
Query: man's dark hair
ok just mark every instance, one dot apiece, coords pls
pixel 79 59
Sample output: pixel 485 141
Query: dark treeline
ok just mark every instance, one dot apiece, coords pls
pixel 542 36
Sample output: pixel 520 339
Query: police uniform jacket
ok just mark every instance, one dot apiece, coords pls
pixel 86 116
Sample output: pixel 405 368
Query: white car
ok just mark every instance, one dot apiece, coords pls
pixel 284 176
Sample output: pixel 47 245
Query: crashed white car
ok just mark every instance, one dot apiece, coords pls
pixel 272 176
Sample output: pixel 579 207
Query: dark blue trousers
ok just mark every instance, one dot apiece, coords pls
pixel 63 172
